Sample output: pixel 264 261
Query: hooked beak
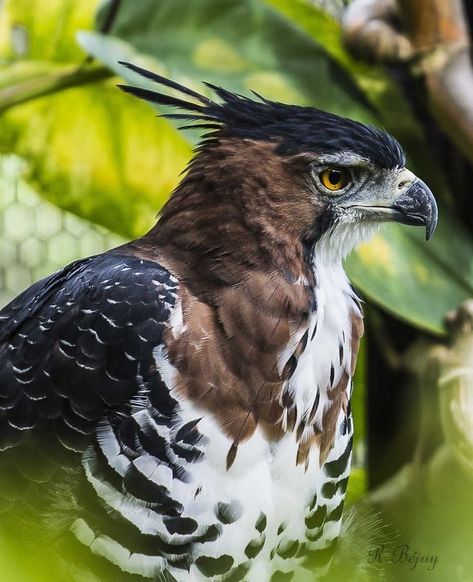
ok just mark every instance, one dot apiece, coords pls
pixel 416 206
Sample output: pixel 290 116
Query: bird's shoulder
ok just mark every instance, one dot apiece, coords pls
pixel 107 279
pixel 79 344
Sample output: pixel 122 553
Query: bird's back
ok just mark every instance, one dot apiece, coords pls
pixel 73 345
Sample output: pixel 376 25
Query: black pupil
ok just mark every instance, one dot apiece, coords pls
pixel 334 177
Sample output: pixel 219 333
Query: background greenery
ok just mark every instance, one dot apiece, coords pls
pixel 85 165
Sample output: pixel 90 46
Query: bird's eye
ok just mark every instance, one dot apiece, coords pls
pixel 334 178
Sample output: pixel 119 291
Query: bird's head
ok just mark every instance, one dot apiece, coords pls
pixel 289 173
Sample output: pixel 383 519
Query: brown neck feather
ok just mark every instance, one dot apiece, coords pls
pixel 240 209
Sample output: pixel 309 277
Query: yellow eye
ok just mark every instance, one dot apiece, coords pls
pixel 334 178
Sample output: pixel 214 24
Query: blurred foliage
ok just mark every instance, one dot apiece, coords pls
pixel 89 149
pixel 43 31
pixel 430 513
pixel 100 154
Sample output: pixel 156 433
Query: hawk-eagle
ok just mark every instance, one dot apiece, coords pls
pixel 190 390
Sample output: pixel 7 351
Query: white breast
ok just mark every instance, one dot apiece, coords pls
pixel 328 350
pixel 264 479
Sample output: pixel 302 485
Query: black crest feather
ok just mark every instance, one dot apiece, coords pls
pixel 296 129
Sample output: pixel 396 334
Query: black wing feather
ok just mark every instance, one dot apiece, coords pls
pixel 27 304
pixel 76 345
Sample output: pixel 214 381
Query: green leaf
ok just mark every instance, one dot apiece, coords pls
pixel 90 149
pixel 243 45
pixel 95 153
pixel 44 31
pixel 414 280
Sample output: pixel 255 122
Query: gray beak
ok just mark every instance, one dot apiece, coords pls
pixel 417 206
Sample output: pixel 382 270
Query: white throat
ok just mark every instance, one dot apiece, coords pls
pixel 340 240
pixel 328 352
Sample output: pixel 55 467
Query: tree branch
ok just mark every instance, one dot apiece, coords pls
pixel 371 32
pixel 432 36
pixel 46 84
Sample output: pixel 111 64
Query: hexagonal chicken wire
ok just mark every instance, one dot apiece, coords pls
pixel 36 238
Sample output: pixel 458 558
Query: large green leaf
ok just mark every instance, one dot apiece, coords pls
pixel 414 280
pixel 94 153
pixel 241 44
pixel 89 149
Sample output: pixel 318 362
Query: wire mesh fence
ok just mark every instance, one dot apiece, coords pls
pixel 333 7
pixel 36 238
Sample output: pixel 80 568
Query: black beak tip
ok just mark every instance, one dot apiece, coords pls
pixel 429 230
pixel 430 216
pixel 417 206
pixel 431 221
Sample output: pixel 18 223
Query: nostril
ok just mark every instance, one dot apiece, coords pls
pixel 402 184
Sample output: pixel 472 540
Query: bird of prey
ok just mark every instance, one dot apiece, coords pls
pixel 181 403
